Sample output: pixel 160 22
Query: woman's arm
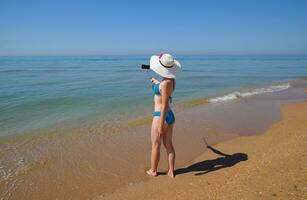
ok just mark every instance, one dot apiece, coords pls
pixel 165 93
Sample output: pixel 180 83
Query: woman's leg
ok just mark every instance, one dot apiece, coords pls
pixel 167 141
pixel 155 146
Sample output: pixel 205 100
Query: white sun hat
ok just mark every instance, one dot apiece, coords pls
pixel 165 65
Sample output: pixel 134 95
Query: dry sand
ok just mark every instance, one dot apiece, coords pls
pixel 268 166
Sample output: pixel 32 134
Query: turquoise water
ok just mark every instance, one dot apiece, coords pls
pixel 40 92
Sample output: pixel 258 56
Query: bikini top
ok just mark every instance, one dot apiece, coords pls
pixel 156 90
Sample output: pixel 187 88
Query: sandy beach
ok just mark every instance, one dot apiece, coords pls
pixel 268 166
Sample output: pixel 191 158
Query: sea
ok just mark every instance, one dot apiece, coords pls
pixel 41 92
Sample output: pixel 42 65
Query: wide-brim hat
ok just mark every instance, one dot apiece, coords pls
pixel 165 65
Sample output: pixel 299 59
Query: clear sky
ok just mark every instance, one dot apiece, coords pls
pixel 92 27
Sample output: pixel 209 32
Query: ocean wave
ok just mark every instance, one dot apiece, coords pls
pixel 240 94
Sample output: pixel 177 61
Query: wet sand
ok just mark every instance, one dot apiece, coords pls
pixel 268 166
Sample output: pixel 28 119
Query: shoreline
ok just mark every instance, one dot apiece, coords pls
pixel 70 164
pixel 114 127
pixel 268 166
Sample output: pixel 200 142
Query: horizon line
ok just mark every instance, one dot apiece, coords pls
pixel 144 54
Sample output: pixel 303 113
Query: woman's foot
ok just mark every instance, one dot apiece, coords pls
pixel 171 174
pixel 150 172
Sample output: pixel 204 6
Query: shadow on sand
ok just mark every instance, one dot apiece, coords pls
pixel 206 166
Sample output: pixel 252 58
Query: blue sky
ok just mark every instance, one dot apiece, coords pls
pixel 216 27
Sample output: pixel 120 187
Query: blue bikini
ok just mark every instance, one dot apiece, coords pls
pixel 170 117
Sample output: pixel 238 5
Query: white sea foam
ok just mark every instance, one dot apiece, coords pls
pixel 238 94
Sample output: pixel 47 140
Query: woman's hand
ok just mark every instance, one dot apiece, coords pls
pixel 160 131
pixel 153 80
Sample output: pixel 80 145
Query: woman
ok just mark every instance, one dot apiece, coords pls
pixel 163 121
